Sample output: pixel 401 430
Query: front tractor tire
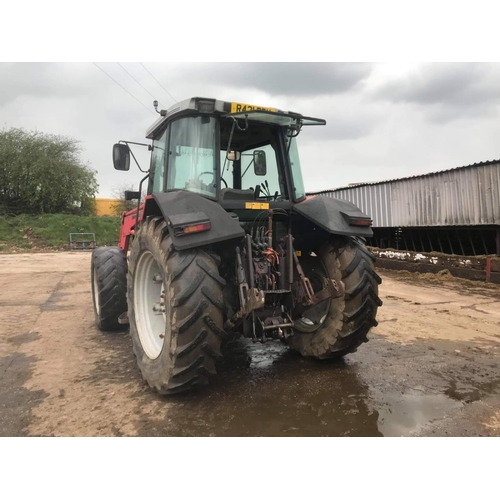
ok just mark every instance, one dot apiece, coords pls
pixel 343 323
pixel 175 309
pixel 108 271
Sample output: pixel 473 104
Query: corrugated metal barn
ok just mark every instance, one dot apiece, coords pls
pixel 463 204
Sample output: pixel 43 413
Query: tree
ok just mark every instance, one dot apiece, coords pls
pixel 43 173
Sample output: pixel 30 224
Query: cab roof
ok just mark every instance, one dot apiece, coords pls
pixel 204 105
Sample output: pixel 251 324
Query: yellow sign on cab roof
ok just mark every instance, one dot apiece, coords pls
pixel 238 107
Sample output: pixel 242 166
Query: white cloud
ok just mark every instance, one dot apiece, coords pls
pixel 383 121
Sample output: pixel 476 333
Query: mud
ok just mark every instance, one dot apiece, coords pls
pixel 16 401
pixel 431 367
pixel 467 267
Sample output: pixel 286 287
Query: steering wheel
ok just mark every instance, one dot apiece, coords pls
pixel 212 174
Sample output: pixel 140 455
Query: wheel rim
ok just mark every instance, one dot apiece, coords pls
pixel 149 305
pixel 96 293
pixel 313 318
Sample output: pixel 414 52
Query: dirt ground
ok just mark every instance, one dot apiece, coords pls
pixel 431 367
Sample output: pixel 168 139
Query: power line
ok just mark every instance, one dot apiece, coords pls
pixel 175 100
pixel 143 105
pixel 135 80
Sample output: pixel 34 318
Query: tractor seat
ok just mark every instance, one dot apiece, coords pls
pixel 237 194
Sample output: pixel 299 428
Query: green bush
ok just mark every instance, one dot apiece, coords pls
pixel 43 173
pixel 52 230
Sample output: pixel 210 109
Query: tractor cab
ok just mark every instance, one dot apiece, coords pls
pixel 228 152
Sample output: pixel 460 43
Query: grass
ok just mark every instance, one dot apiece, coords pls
pixel 51 231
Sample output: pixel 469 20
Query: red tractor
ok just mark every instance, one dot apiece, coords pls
pixel 226 242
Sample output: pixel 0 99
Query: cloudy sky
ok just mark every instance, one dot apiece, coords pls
pixel 383 120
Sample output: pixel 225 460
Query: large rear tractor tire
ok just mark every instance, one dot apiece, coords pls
pixel 109 286
pixel 338 326
pixel 175 309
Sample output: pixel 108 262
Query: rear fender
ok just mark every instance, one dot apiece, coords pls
pixel 334 216
pixel 184 207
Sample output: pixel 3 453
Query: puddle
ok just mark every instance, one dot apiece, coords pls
pixel 466 395
pixel 409 413
pixel 268 390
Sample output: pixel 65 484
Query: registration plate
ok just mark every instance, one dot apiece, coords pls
pixel 238 107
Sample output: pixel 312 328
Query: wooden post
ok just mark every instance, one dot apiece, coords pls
pixel 488 269
pixel 498 240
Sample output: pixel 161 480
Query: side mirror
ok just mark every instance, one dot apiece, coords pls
pixel 233 155
pixel 132 195
pixel 259 162
pixel 121 157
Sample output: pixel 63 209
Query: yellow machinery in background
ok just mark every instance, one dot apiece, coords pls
pixel 106 206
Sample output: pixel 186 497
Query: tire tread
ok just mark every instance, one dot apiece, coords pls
pixel 110 264
pixel 196 294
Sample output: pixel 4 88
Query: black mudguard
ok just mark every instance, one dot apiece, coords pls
pixel 191 208
pixel 333 215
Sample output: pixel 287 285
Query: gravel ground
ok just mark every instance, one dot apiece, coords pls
pixel 431 367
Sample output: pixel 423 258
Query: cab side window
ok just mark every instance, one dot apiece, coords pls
pixel 191 156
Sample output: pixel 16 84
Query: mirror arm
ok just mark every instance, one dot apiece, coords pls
pixel 133 156
pixel 246 170
pixel 230 139
pixel 136 143
pixel 241 129
pixel 137 163
pixel 297 128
